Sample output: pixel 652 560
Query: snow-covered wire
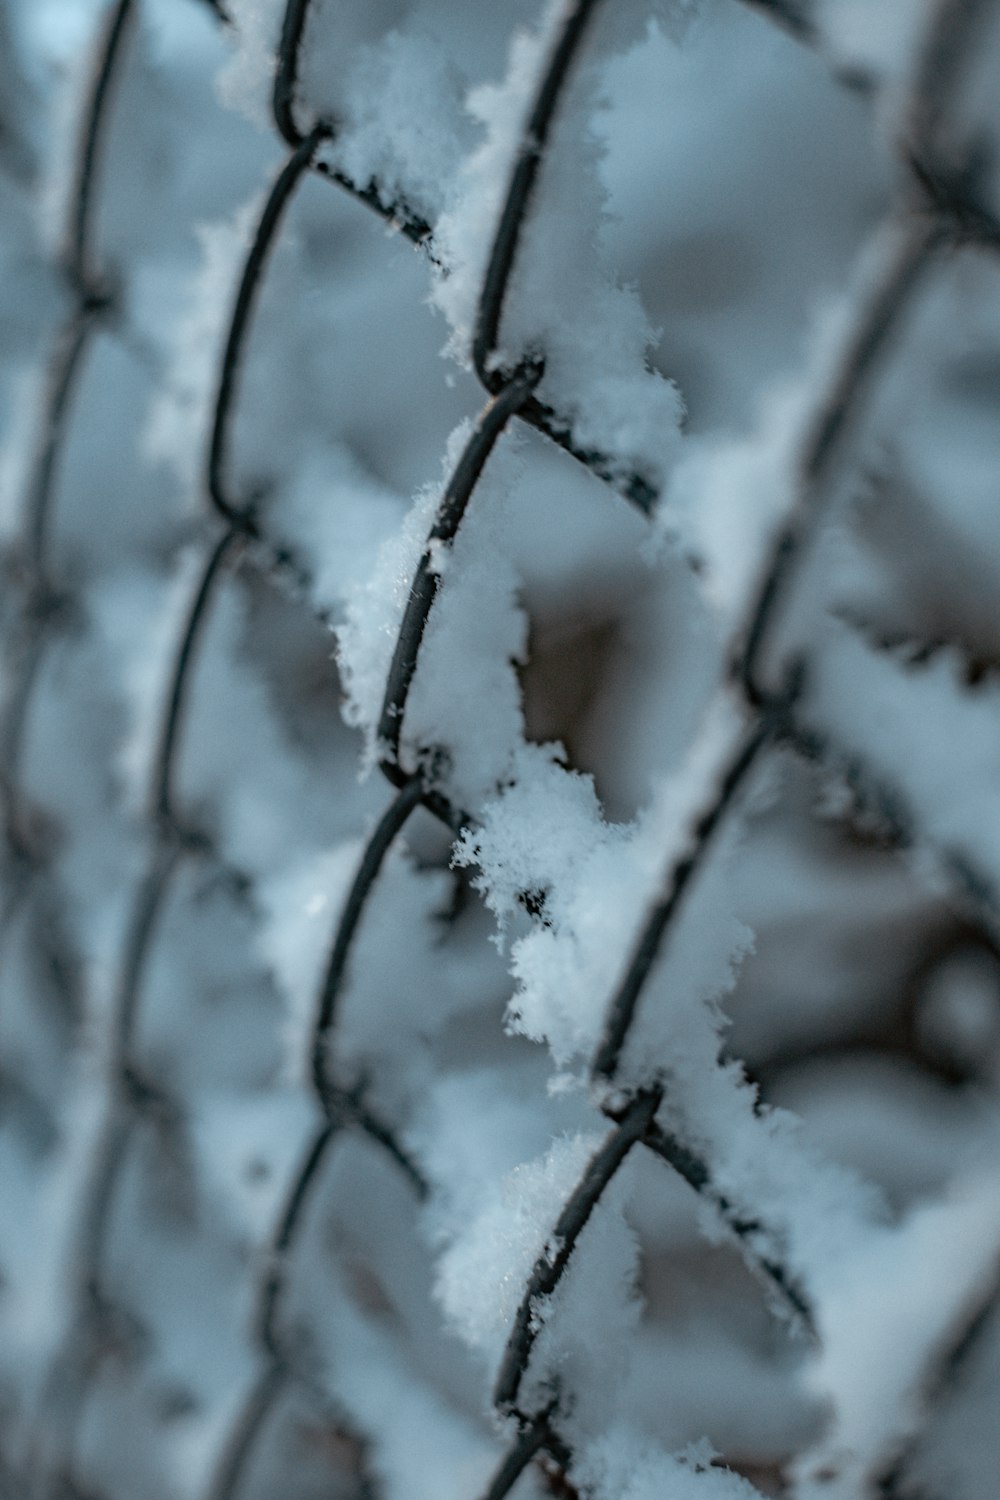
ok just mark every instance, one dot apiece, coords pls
pixel 936 208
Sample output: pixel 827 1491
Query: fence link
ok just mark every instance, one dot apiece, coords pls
pixel 767 701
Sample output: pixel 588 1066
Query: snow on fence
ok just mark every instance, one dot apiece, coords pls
pixel 288 1211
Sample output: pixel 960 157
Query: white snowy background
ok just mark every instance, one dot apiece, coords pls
pixel 826 1016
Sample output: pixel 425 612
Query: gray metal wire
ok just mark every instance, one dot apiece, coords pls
pixel 936 208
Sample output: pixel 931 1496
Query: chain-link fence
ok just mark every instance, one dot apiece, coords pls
pixel 271 1184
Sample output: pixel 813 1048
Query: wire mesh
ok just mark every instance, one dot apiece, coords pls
pixel 936 209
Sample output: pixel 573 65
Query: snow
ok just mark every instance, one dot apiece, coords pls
pixel 179 424
pixel 876 1355
pixel 246 80
pixel 545 834
pixel 822 1013
pixel 337 542
pixel 247 1148
pixel 403 123
pixel 466 703
pixel 301 907
pixel 589 1319
pixel 635 417
pixel 621 1464
pixel 481 1277
pixel 146 640
pixel 949 731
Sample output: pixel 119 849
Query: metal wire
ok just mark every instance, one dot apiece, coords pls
pixel 637 487
pixel 173 839
pixel 926 232
pixel 508 401
pixel 935 210
pixel 44 604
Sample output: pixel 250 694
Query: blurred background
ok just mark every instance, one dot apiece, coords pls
pixel 726 177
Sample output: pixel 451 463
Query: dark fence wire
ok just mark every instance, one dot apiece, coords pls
pixel 946 212
pixel 932 223
pixel 43 603
pixel 41 598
